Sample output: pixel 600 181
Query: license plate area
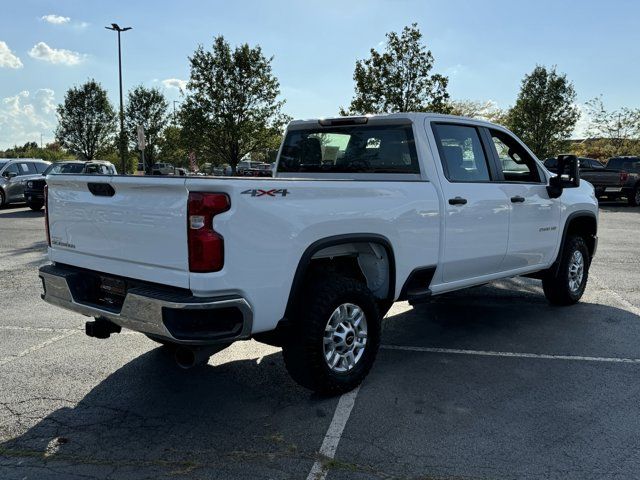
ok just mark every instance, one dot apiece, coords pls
pixel 99 290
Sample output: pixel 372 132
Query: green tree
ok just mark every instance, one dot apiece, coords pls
pixel 86 123
pixel 618 131
pixel 231 107
pixel 171 147
pixel 147 107
pixel 399 79
pixel 545 112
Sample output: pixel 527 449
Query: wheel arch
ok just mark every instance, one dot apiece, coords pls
pixel 583 223
pixel 324 244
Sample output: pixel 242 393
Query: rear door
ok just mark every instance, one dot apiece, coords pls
pixel 535 218
pixel 476 210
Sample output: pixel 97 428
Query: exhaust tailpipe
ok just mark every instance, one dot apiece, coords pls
pixel 188 357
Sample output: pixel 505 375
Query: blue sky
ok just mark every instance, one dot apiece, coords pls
pixel 484 47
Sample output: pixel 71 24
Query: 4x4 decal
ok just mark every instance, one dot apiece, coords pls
pixel 256 192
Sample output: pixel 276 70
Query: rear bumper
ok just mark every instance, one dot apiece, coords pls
pixel 168 313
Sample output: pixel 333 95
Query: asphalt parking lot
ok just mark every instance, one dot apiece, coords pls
pixel 489 383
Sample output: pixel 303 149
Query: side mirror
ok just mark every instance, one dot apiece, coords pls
pixel 9 174
pixel 567 175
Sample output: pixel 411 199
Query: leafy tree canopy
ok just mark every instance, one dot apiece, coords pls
pixel 86 120
pixel 232 105
pixel 147 107
pixel 399 79
pixel 545 112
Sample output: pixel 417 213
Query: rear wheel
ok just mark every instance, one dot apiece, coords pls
pixel 565 285
pixel 335 336
pixel 634 197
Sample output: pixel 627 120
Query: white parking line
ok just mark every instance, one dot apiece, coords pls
pixel 332 437
pixel 489 353
pixel 5 360
pixel 36 329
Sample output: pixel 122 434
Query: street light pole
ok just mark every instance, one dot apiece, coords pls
pixel 116 28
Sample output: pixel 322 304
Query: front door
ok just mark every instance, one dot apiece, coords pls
pixel 534 226
pixel 14 186
pixel 476 210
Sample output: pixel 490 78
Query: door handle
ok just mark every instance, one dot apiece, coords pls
pixel 457 201
pixel 517 199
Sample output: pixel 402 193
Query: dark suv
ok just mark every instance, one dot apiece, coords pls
pixel 34 189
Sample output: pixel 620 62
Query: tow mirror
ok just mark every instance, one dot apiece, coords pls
pixel 567 175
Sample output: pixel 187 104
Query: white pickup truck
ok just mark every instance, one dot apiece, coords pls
pixel 361 212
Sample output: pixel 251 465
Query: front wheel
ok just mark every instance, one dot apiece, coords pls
pixel 566 284
pixel 35 206
pixel 335 336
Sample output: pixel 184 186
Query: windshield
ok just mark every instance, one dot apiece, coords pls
pixel 2 164
pixel 350 149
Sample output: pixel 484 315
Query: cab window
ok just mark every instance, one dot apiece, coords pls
pixel 463 158
pixel 515 162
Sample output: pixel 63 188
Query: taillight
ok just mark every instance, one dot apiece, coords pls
pixel 46 213
pixel 206 246
pixel 624 176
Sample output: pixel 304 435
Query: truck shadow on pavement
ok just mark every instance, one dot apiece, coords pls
pixel 247 419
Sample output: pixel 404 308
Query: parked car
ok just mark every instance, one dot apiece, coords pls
pixel 14 175
pixel 411 206
pixel 258 169
pixel 605 182
pixel 163 169
pixel 631 188
pixel 34 188
pixel 250 168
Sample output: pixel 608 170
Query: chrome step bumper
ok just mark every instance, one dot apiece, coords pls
pixel 171 315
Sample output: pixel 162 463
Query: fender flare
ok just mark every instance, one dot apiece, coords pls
pixel 305 261
pixel 565 230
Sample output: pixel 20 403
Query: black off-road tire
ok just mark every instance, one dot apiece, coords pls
pixel 556 281
pixel 634 197
pixel 304 350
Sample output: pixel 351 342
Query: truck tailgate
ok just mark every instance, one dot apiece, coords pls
pixel 139 231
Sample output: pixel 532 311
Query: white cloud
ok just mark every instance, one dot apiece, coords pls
pixel 55 19
pixel 42 51
pixel 175 83
pixel 23 117
pixel 7 58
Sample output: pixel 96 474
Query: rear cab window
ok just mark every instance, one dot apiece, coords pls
pixel 350 149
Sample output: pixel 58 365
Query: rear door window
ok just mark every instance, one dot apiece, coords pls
pixel 350 149
pixel 462 154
